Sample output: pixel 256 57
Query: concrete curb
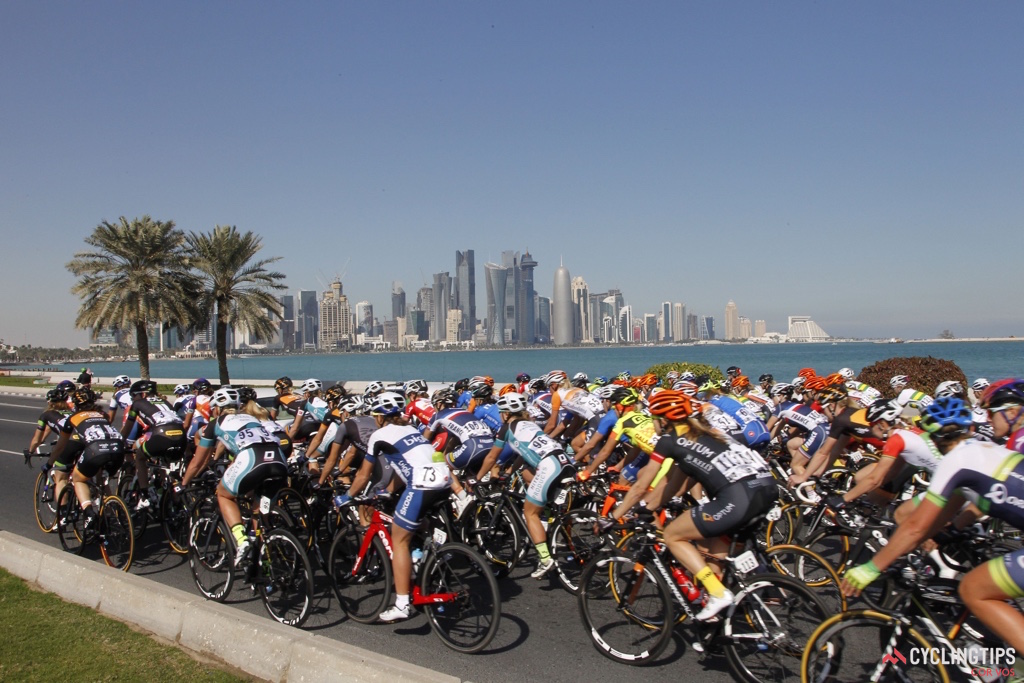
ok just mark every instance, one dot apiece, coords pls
pixel 258 646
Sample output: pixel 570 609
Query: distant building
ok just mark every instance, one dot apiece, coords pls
pixel 707 327
pixel 543 320
pixel 561 308
pixel 397 301
pixel 465 291
pixel 307 324
pixel 287 322
pixel 453 325
pixel 666 321
pixel 679 327
pixel 692 326
pixel 364 318
pixel 760 328
pixel 802 328
pixel 650 328
pixel 526 322
pixel 732 321
pixel 497 279
pixel 625 326
pixel 745 328
pixel 441 298
pixel 581 326
pixel 335 319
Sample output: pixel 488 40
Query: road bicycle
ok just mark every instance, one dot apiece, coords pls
pixel 452 583
pixel 44 494
pixel 111 528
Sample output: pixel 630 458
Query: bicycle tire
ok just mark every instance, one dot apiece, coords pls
pixel 298 513
pixel 70 521
pixel 636 633
pixel 767 626
pixel 211 553
pixel 128 491
pixel 117 542
pixel 286 584
pixel 812 570
pixel 836 545
pixel 468 623
pixel 784 529
pixel 574 541
pixel 175 519
pixel 495 534
pixel 831 657
pixel 45 502
pixel 363 595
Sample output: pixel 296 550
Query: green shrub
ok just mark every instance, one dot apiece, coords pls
pixel 925 374
pixel 711 371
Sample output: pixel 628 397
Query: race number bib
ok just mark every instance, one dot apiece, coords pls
pixel 253 435
pixel 736 464
pixel 433 476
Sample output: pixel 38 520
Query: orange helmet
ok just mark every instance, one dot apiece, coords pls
pixel 835 379
pixel 815 383
pixel 740 381
pixel 807 372
pixel 672 405
pixel 508 388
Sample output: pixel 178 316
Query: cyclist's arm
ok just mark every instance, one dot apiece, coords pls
pixel 639 489
pixel 820 458
pixel 316 439
pixel 593 442
pixel 490 459
pixel 58 449
pixel 603 454
pixel 556 404
pixel 926 520
pixel 38 437
pixel 362 477
pixel 870 481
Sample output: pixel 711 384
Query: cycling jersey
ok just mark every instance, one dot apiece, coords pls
pixel 470 441
pixel 356 431
pixel 419 412
pixel 852 423
pixel 754 431
pixel 122 398
pixel 412 459
pixel 637 429
pixel 862 393
pixel 1015 442
pixel 97 444
pixel 53 419
pixel 577 401
pixel 539 406
pixel 256 452
pixel 914 399
pixel 801 417
pixel 914 446
pixel 288 403
pixel 542 454
pixel 489 414
pixel 152 412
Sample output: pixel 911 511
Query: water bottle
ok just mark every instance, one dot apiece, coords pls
pixel 417 558
pixel 691 592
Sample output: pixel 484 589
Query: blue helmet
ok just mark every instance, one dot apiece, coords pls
pixel 946 414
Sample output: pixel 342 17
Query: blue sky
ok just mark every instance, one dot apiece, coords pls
pixel 862 163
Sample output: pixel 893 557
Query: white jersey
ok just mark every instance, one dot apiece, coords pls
pixel 410 455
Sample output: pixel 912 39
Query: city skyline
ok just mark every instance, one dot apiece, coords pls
pixel 678 152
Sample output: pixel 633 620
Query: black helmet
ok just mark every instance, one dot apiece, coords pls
pixel 766 377
pixel 142 387
pixel 462 384
pixel 483 391
pixel 202 384
pixel 246 394
pixel 83 396
pixel 283 383
pixel 56 396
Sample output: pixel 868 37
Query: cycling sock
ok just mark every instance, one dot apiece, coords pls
pixel 542 550
pixel 462 495
pixel 238 531
pixel 401 601
pixel 711 583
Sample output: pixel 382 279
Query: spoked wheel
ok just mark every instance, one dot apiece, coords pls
pixel 768 626
pixel 294 514
pixel 574 541
pixel 363 589
pixel 493 531
pixel 211 553
pixel 468 618
pixel 128 491
pixel 286 579
pixel 812 570
pixel 71 522
pixel 626 609
pixel 117 543
pixel 175 519
pixel 45 498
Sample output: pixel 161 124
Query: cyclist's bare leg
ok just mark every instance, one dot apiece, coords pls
pixel 531 512
pixel 987 601
pixel 141 466
pixel 229 509
pixel 679 537
pixel 81 484
pixel 401 559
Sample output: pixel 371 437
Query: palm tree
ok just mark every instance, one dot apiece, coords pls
pixel 238 288
pixel 137 275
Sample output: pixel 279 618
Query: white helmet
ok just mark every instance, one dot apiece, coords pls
pixel 798 382
pixel 373 388
pixel 122 381
pixel 225 397
pixel 387 403
pixel 311 386
pixel 847 373
pixel 883 409
pixel 980 384
pixel 605 392
pixel 949 388
pixel 554 377
pixel 352 404
pixel 417 386
pixel 182 389
pixel 899 381
pixel 512 402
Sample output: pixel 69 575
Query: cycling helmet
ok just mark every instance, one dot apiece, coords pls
pixel 462 384
pixel 182 389
pixel 605 393
pixel 740 382
pixel 624 376
pixel 647 380
pixel 512 402
pixel 899 381
pixel 685 386
pixel 1005 392
pixel 508 388
pixel 283 383
pixel 202 385
pixel 522 377
pixel 443 397
pixel 142 387
pixel 600 381
pixel 538 384
pixel 83 396
pixel 351 404
pixel 554 377
pixel 671 405
pixel 56 396
pixel 712 384
pixel 671 376
pixel 311 386
pixel 766 378
pixel 373 388
pixel 883 409
pixel 121 381
pixel 950 388
pixel 807 373
pixel 246 394
pixel 799 382
pixel 946 415
pixel 835 380
pixel 580 380
pixel 830 395
pixel 66 386
pixel 783 389
pixel 225 397
pixel 334 393
pixel 416 386
pixel 815 383
pixel 481 390
pixel 980 384
pixel 387 403
pixel 847 373
pixel 733 371
pixel 625 396
pixel 687 375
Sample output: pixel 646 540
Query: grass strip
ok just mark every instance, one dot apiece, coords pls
pixel 47 639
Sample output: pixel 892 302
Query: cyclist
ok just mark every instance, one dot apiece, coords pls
pixel 121 398
pixel 753 431
pixel 1004 401
pixel 522 382
pixel 736 480
pixel 310 412
pixel 181 394
pixel 285 400
pixel 909 397
pixel 598 428
pixel 50 422
pixel 418 410
pixel 426 482
pixel 848 422
pixel 467 440
pixel 350 439
pixel 978 388
pixel 320 442
pixel 543 457
pixel 968 466
pixel 197 410
pixel 635 429
pixel 163 434
pixel 88 440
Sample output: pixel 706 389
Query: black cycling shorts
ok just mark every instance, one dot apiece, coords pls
pixel 166 442
pixel 734 506
pixel 101 455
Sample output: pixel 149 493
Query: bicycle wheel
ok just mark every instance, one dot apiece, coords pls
pixel 363 586
pixel 70 521
pixel 812 570
pixel 573 541
pixel 494 532
pixel 845 647
pixel 786 526
pixel 175 519
pixel 765 630
pixel 294 512
pixel 836 546
pixel 286 579
pixel 467 622
pixel 43 494
pixel 211 553
pixel 128 491
pixel 626 609
pixel 117 544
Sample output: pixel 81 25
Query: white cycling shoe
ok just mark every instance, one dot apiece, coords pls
pixel 715 605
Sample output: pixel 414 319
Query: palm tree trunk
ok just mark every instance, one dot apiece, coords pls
pixel 142 341
pixel 222 350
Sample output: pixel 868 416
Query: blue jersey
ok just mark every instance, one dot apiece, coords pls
pixel 410 455
pixel 755 432
pixel 460 424
pixel 489 415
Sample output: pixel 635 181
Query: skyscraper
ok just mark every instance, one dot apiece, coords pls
pixel 626 325
pixel 425 302
pixel 760 328
pixel 307 326
pixel 497 279
pixel 732 321
pixel 513 282
pixel 666 321
pixel 692 326
pixel 397 301
pixel 679 330
pixel 745 328
pixel 335 319
pixel 543 319
pixel 581 311
pixel 441 298
pixel 465 291
pixel 707 327
pixel 287 322
pixel 650 327
pixel 364 317
pixel 561 304
pixel 525 309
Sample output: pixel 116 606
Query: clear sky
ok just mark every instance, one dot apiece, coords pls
pixel 859 162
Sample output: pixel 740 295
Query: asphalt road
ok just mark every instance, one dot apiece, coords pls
pixel 541 635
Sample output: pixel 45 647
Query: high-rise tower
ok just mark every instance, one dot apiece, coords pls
pixel 497 279
pixel 562 311
pixel 465 292
pixel 732 321
pixel 525 311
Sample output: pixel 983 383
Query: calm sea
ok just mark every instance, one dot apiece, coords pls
pixel 977 359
